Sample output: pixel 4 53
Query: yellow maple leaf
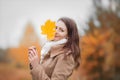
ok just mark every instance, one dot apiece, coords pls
pixel 49 29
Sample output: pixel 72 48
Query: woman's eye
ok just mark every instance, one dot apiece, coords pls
pixel 61 30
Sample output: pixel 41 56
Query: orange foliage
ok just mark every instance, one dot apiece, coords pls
pixel 93 49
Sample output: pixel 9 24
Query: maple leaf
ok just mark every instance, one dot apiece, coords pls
pixel 49 29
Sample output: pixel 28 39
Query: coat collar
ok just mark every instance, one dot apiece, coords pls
pixel 58 49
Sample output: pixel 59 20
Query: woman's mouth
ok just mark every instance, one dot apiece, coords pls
pixel 56 36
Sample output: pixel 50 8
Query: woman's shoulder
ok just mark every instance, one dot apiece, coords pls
pixel 66 56
pixel 60 52
pixel 66 60
pixel 57 50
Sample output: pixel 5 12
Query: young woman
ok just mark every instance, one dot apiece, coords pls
pixel 63 53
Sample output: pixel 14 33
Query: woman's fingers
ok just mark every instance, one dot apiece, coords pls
pixel 30 56
pixel 34 51
pixel 33 56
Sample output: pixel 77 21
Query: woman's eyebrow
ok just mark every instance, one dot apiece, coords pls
pixel 60 27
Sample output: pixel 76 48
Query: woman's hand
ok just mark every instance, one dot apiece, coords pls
pixel 33 56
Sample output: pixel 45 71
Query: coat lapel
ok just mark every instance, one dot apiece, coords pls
pixel 56 50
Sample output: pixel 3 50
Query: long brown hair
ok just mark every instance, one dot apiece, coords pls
pixel 73 38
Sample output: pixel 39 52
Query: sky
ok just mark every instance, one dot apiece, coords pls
pixel 15 14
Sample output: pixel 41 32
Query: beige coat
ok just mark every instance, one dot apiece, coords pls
pixel 55 66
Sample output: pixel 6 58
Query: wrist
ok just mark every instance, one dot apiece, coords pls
pixel 34 66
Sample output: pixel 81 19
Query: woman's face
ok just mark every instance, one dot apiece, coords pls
pixel 61 31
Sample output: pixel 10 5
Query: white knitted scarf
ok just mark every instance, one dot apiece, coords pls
pixel 46 48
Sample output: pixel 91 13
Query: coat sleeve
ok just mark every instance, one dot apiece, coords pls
pixel 62 70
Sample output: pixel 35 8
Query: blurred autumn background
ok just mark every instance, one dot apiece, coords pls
pixel 100 47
